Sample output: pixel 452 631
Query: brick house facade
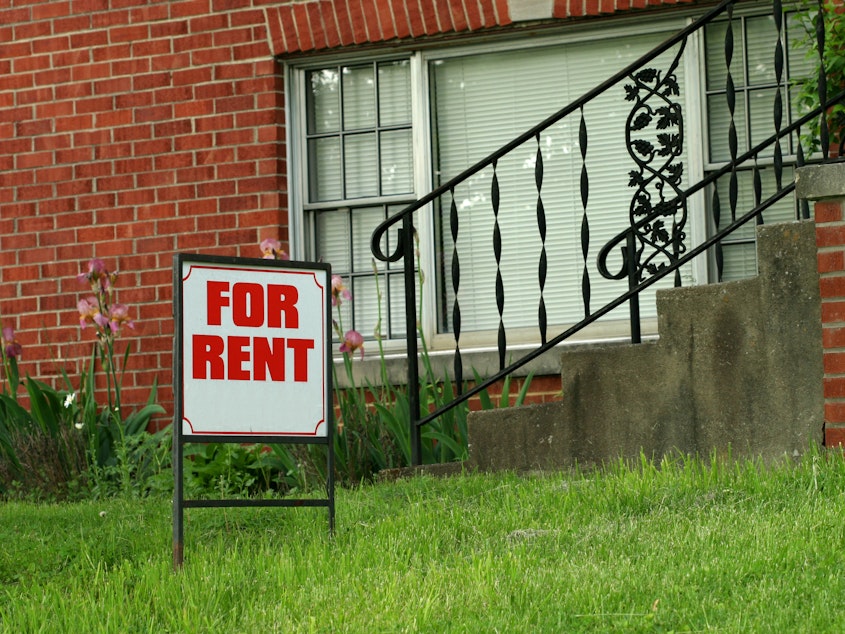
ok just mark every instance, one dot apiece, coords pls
pixel 131 130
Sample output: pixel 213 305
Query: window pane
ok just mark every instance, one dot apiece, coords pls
pixel 324 164
pixel 394 93
pixel 740 261
pixel 719 120
pixel 717 74
pixel 397 162
pixel 396 286
pixel 364 222
pixel 361 165
pixel 783 210
pixel 761 106
pixel 762 36
pixel 333 239
pixel 366 305
pixel 323 106
pixel 359 97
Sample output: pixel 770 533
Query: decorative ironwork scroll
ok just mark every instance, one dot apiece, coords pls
pixel 654 137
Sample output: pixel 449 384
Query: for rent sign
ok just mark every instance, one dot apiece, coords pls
pixel 254 347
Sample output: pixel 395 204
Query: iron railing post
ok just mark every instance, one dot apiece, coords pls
pixel 633 282
pixel 409 270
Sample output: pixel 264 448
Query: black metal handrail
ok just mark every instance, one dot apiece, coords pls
pixel 638 288
pixel 676 255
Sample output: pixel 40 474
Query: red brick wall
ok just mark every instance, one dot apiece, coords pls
pixel 830 239
pixel 132 129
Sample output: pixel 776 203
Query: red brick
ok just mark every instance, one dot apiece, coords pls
pixel 11 16
pixel 833 337
pixel 191 76
pixel 575 8
pixel 834 411
pixel 830 235
pixel 33 159
pixel 33 128
pixel 503 15
pixel 834 387
pixel 187 8
pixel 317 28
pixel 230 37
pixel 33 30
pixel 53 174
pixel 443 14
pixel 111 53
pixel 288 29
pixel 214 22
pixel 833 312
pixel 474 20
pixel 834 435
pixel 26 97
pixel 303 29
pixel 832 287
pixel 828 211
pixel 210 56
pixel 831 261
pixel 834 362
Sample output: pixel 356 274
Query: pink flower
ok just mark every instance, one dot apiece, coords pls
pixel 11 347
pixel 118 315
pixel 272 250
pixel 340 292
pixel 97 275
pixel 352 341
pixel 89 313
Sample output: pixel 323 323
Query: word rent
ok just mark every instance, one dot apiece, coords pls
pixel 242 357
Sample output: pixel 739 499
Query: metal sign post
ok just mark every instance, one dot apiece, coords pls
pixel 252 364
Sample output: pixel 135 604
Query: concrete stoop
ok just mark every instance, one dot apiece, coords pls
pixel 737 370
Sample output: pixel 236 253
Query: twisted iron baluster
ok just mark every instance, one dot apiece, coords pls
pixel 456 307
pixel 585 224
pixel 824 133
pixel 803 204
pixel 541 226
pixel 730 94
pixel 758 189
pixel 497 252
pixel 717 218
pixel 777 11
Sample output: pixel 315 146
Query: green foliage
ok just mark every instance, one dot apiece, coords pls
pixel 237 470
pixel 373 425
pixel 66 440
pixel 44 451
pixel 833 55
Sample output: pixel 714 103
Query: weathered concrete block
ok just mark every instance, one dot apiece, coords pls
pixel 737 368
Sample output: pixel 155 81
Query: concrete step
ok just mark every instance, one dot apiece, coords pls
pixel 737 370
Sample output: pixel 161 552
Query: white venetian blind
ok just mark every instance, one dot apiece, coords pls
pixel 480 103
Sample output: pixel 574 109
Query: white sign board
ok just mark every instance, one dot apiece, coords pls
pixel 254 347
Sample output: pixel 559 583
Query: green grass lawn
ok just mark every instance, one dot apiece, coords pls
pixel 738 548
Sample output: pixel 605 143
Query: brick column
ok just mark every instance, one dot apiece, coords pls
pixel 825 186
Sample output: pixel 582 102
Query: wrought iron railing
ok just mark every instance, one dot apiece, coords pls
pixel 654 244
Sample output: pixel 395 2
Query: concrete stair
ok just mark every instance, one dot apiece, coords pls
pixel 737 370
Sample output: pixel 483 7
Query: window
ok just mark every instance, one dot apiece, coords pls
pixel 359 149
pixel 376 135
pixel 517 89
pixel 755 84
